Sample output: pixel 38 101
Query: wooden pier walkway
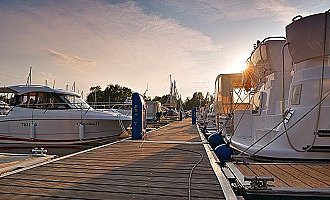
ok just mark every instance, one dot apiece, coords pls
pixel 171 163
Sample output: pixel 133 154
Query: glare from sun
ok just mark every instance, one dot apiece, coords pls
pixel 238 64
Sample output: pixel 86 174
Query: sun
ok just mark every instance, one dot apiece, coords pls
pixel 238 64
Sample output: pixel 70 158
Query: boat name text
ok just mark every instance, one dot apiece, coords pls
pixel 28 124
pixel 89 123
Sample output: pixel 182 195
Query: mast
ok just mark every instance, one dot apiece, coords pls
pixel 29 78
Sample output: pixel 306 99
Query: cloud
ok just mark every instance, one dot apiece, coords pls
pixel 69 60
pixel 127 45
pixel 11 78
pixel 279 10
pixel 223 10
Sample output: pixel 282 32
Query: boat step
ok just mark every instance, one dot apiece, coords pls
pixel 323 133
pixel 317 148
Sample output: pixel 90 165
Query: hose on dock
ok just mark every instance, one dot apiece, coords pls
pixel 192 169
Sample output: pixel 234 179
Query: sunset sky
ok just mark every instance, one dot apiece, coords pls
pixel 135 43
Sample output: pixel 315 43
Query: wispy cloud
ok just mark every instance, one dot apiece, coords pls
pixel 222 10
pixel 120 40
pixel 124 42
pixel 69 60
pixel 8 77
pixel 278 10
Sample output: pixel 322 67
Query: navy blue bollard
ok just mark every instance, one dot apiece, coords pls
pixel 137 116
pixel 180 115
pixel 193 115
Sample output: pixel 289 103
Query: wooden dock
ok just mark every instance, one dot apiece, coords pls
pixel 170 163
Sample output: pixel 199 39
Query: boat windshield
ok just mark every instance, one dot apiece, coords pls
pixel 4 108
pixel 75 101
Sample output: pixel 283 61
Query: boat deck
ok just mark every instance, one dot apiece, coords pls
pixel 291 175
pixel 171 163
pixel 290 180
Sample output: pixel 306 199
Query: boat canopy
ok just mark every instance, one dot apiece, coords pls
pixel 309 37
pixel 229 93
pixel 22 89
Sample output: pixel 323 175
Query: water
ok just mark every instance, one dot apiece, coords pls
pixel 53 150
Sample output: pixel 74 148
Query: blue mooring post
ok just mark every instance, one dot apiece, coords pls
pixel 180 115
pixel 193 115
pixel 137 116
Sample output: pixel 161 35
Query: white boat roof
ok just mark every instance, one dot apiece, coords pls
pixel 22 89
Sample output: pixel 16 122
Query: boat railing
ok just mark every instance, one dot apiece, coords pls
pixel 111 105
pixel 48 106
pixel 121 107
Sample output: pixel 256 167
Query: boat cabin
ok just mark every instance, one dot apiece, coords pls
pixel 41 97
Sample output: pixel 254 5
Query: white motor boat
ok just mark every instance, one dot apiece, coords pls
pixel 288 109
pixel 38 115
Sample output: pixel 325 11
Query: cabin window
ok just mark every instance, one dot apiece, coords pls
pixel 75 101
pixel 55 102
pixel 28 100
pixel 296 94
pixel 41 100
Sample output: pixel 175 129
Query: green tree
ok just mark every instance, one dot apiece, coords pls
pixel 197 100
pixel 113 93
pixel 163 99
pixel 95 94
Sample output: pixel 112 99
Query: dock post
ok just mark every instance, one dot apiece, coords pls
pixel 193 116
pixel 138 116
pixel 180 118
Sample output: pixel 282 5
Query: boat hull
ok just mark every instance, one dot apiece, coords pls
pixel 59 132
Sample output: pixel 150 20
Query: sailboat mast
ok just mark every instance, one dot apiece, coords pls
pixel 29 79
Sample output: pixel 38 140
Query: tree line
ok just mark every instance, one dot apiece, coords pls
pixel 117 93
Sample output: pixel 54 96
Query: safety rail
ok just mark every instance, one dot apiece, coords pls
pixel 110 105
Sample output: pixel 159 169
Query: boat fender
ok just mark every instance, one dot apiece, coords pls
pixel 32 131
pixel 215 140
pixel 81 131
pixel 224 153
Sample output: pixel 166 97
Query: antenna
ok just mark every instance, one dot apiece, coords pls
pixel 145 92
pixel 171 85
pixel 74 87
pixel 29 78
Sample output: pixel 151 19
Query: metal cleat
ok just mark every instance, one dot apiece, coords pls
pixel 258 182
pixel 39 152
